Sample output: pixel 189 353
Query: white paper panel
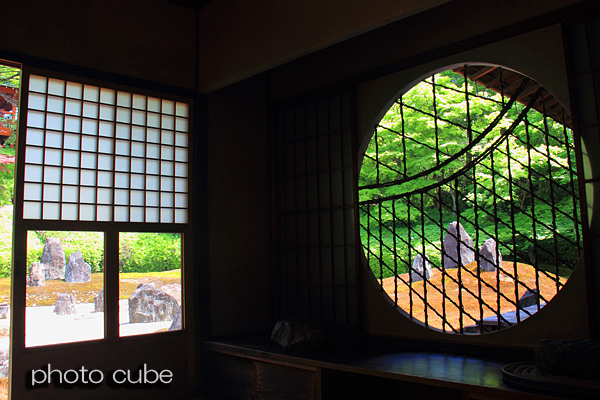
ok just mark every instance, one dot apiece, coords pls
pixel 88 177
pixel 122 148
pixel 168 107
pixel 54 122
pixel 71 141
pixel 104 213
pixel 138 133
pixel 71 159
pixel 166 215
pixel 51 193
pixel 88 160
pixel 106 129
pixel 122 164
pixel 122 214
pixel 73 124
pixel 152 183
pixel 34 155
pixel 153 135
pixel 36 119
pixel 181 154
pixel 124 99
pixel 105 162
pixel 56 104
pixel 139 102
pixel 181 109
pixel 73 107
pixel 56 87
pixel 180 200
pixel 166 168
pixel 50 211
pixel 37 101
pixel 90 127
pixel 181 125
pixel 152 199
pixel 153 104
pixel 69 212
pixel 90 110
pixel 123 115
pixel 54 139
pixel 91 93
pixel 181 170
pixel 152 167
pixel 137 198
pixel 138 149
pixel 87 195
pixel 105 146
pixel 34 173
pixel 107 96
pixel 52 174
pixel 121 197
pixel 89 143
pixel 167 137
pixel 181 139
pixel 123 131
pixel 70 194
pixel 70 176
pixel 153 120
pixel 152 215
pixel 166 200
pixel 153 151
pixel 121 180
pixel 105 179
pixel 107 113
pixel 32 191
pixel 137 214
pixel 53 157
pixel 181 185
pixel 181 216
pixel 74 90
pixel 87 212
pixel 37 84
pixel 32 210
pixel 166 152
pixel 34 137
pixel 137 165
pixel 167 122
pixel 138 181
pixel 138 117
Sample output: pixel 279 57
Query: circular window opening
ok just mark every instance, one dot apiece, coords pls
pixel 469 206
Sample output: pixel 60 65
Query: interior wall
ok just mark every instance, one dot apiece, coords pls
pixel 239 209
pixel 150 40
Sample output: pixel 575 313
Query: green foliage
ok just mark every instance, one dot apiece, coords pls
pixel 7 183
pixel 149 252
pixel 6 243
pixel 424 129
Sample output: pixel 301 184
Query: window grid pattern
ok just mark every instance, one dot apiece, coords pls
pixel 98 154
pixel 316 255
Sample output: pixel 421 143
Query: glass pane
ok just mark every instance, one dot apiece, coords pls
pixel 149 283
pixel 65 282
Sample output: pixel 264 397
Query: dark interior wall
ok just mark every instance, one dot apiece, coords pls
pixel 239 202
pixel 149 40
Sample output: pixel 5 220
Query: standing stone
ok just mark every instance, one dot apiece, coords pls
pixel 53 259
pixel 457 242
pixel 530 298
pixel 99 302
pixel 77 269
pixel 489 256
pixel 176 324
pixel 421 269
pixel 149 304
pixel 65 304
pixel 36 275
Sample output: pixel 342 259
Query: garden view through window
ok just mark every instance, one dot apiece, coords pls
pixel 469 200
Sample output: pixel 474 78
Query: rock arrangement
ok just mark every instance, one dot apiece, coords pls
pixel 99 302
pixel 176 324
pixel 65 304
pixel 52 266
pixel 458 249
pixel 149 304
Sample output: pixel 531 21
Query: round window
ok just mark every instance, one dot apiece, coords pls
pixel 469 208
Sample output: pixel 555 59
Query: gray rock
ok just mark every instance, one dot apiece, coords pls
pixel 99 302
pixel 176 324
pixel 489 257
pixel 4 363
pixel 530 298
pixel 421 269
pixel 77 269
pixel 297 334
pixel 36 275
pixel 53 259
pixel 149 304
pixel 65 304
pixel 458 247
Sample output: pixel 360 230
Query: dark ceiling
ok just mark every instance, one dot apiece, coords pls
pixel 195 4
